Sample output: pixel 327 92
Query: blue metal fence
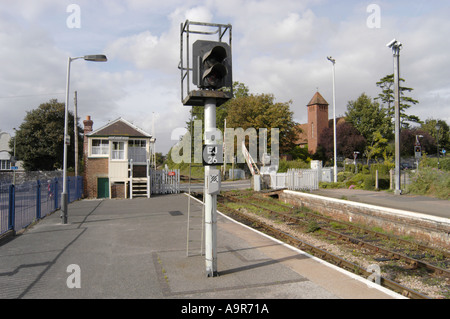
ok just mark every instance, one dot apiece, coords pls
pixel 22 204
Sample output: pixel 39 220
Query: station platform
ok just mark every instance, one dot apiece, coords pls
pixel 138 249
pixel 412 203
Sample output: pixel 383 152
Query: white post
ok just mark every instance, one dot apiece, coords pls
pixel 131 178
pixel 64 199
pixel 148 179
pixel 396 52
pixel 210 200
pixel 333 61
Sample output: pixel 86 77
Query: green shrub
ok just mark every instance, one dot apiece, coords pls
pixel 285 165
pixel 430 181
pixel 444 163
pixel 368 182
pixel 383 168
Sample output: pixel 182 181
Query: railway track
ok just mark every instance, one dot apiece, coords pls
pixel 364 238
pixel 394 254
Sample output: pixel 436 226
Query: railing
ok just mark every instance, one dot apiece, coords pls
pixel 22 204
pixel 296 179
pixel 165 182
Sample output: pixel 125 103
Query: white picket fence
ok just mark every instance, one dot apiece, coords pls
pixel 165 181
pixel 296 179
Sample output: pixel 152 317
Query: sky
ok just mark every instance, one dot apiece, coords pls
pixel 278 47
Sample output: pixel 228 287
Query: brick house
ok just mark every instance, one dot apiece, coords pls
pixel 116 159
pixel 317 122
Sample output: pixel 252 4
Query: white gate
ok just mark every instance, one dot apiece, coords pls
pixel 303 179
pixel 296 179
pixel 165 181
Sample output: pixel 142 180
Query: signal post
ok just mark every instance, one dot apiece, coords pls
pixel 211 72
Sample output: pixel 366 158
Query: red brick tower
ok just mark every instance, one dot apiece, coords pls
pixel 317 120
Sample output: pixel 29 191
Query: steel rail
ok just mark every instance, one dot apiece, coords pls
pixel 369 231
pixel 361 243
pixel 318 252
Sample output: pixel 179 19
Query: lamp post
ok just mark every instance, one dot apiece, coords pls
pixel 333 61
pixel 64 199
pixel 396 46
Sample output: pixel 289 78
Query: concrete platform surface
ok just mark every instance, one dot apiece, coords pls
pixel 138 249
pixel 413 203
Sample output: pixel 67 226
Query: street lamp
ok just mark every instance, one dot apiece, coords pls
pixel 64 199
pixel 333 61
pixel 396 46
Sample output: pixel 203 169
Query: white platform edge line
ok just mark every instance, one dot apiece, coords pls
pixel 345 272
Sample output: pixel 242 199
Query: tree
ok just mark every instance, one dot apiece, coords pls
pixel 368 117
pixel 429 126
pixel 387 98
pixel 197 112
pixel 348 140
pixel 261 111
pixel 408 138
pixel 40 138
pixel 377 148
pixel 247 110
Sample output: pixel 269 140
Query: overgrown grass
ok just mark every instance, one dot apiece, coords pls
pixel 430 181
pixel 285 165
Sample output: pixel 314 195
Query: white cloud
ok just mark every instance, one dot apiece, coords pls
pixel 279 47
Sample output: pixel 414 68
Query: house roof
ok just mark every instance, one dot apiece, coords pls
pixel 120 127
pixel 317 99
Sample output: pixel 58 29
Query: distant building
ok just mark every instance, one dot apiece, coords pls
pixel 6 158
pixel 317 122
pixel 116 158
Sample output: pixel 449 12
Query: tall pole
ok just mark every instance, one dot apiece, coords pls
pixel 396 53
pixel 75 130
pixel 210 200
pixel 334 122
pixel 437 136
pixel 14 172
pixel 64 199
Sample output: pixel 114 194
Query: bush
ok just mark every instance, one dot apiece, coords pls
pixel 285 165
pixel 383 168
pixel 368 183
pixel 431 181
pixel 444 163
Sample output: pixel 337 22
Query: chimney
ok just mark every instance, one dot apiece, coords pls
pixel 87 129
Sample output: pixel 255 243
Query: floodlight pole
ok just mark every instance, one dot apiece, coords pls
pixel 396 53
pixel 334 122
pixel 210 200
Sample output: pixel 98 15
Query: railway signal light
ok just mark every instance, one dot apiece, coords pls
pixel 211 64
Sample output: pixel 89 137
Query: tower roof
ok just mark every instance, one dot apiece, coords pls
pixel 317 99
